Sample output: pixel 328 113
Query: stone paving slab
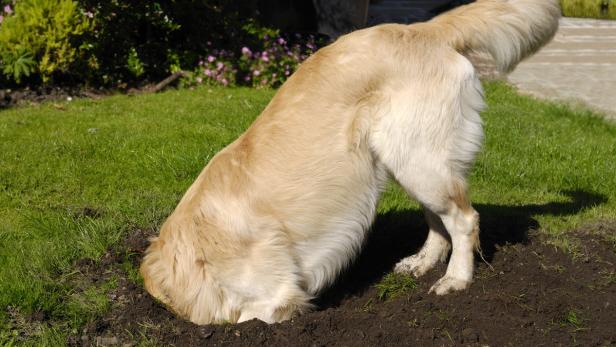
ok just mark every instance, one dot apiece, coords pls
pixel 579 65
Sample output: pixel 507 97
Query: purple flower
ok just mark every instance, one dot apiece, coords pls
pixel 207 72
pixel 281 41
pixel 287 73
pixel 8 9
pixel 201 63
pixel 225 82
pixel 211 58
pixel 89 14
pixel 247 78
pixel 256 72
pixel 246 51
pixel 219 66
pixel 310 46
pixel 265 58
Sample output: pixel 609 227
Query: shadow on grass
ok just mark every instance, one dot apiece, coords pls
pixel 398 234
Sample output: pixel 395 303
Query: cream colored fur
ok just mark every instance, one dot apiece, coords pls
pixel 277 214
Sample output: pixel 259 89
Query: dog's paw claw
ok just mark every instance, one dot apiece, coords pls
pixel 416 265
pixel 448 284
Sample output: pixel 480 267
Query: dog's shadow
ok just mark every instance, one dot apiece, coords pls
pixel 398 234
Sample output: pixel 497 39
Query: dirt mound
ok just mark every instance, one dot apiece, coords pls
pixel 530 293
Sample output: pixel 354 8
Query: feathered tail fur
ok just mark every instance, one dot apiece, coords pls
pixel 508 30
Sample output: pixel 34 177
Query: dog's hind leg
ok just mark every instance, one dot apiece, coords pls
pixel 462 223
pixel 445 200
pixel 435 249
pixel 428 137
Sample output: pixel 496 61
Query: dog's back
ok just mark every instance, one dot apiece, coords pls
pixel 276 215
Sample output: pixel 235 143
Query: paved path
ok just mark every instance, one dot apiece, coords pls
pixel 578 65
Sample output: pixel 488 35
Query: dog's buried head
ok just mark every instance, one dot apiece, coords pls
pixel 277 214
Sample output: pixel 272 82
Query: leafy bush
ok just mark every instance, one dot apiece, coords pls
pixel 38 36
pixel 115 43
pixel 136 40
pixel 605 9
pixel 18 63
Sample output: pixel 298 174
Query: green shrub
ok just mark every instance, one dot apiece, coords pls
pixel 40 37
pixel 603 9
pixel 18 63
pixel 147 40
pixel 116 43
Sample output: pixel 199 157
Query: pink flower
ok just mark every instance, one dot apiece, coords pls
pixel 225 82
pixel 219 66
pixel 246 51
pixel 199 80
pixel 8 9
pixel 256 72
pixel 89 14
pixel 207 72
pixel 211 58
pixel 265 58
pixel 281 41
pixel 201 62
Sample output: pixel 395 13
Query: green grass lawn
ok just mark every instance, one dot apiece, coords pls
pixel 600 9
pixel 75 177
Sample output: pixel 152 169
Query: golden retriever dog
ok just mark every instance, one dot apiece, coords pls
pixel 277 214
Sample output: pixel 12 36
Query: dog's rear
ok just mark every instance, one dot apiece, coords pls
pixel 278 213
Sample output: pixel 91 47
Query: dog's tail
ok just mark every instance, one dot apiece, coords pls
pixel 509 30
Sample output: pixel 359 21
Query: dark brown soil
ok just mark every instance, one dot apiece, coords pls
pixel 26 96
pixel 531 294
pixel 58 93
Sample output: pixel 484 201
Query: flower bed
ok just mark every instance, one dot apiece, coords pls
pixel 269 66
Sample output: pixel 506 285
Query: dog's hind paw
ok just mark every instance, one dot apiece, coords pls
pixel 449 284
pixel 417 265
